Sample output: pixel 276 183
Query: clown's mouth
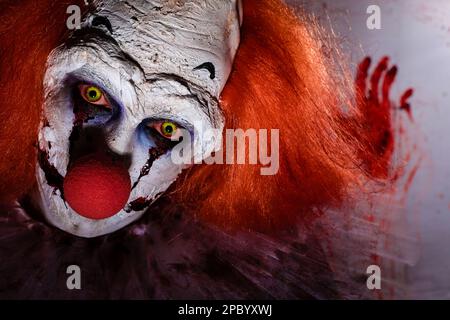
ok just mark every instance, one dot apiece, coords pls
pixel 97 184
pixel 57 181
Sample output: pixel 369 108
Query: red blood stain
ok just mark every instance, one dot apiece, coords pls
pixel 376 108
pixel 411 176
pixel 138 204
pixel 52 176
pixel 404 105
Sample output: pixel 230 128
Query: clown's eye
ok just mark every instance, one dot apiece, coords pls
pixel 167 129
pixel 92 106
pixel 93 95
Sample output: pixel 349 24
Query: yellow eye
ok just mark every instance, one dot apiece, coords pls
pixel 168 129
pixel 93 94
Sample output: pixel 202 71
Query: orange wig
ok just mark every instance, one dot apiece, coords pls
pixel 29 30
pixel 282 79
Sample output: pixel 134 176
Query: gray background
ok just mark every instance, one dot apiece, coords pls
pixel 416 35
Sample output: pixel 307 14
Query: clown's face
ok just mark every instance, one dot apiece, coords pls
pixel 120 93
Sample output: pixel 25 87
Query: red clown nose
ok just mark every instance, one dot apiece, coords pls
pixel 97 187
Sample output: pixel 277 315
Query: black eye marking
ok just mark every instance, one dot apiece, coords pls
pixel 208 66
pixel 52 176
pixel 154 154
pixel 102 21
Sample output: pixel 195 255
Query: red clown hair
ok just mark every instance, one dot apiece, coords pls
pixel 29 30
pixel 282 80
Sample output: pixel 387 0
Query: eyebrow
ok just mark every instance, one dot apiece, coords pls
pixel 204 105
pixel 102 21
pixel 169 77
pixel 208 66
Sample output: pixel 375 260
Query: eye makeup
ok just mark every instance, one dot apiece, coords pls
pixel 92 105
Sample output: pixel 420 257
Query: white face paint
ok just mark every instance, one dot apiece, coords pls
pixel 154 61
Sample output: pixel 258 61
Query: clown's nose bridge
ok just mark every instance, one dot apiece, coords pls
pixel 97 184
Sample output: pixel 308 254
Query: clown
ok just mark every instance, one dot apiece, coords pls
pixel 103 108
pixel 127 83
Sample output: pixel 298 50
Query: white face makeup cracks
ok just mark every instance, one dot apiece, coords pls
pixel 155 61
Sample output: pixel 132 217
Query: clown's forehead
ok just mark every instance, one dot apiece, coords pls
pixel 193 39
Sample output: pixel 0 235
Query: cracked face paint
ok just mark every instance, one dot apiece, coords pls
pixel 152 62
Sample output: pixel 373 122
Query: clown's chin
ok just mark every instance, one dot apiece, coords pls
pixel 57 212
pixel 91 200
